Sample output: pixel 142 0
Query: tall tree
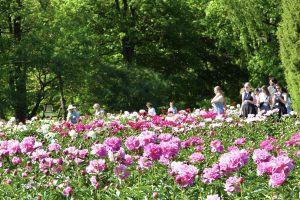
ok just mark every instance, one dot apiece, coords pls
pixel 289 38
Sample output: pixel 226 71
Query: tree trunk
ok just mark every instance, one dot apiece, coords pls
pixel 62 96
pixel 20 74
pixel 21 94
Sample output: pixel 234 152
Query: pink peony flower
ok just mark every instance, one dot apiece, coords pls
pixel 211 174
pixel 152 151
pixel 170 149
pixel 213 197
pixel 113 143
pixel 82 153
pixel 13 147
pixel 93 181
pixel 199 148
pixel 216 146
pixel 27 144
pixel 67 191
pixel 233 148
pixel 132 143
pixel 297 153
pixel 267 144
pixel 185 174
pixel 233 184
pixel 261 155
pixel 233 160
pixel 54 147
pixel 240 141
pixel 196 157
pixel 147 137
pixel 144 163
pixel 165 137
pixel 96 166
pixel 193 141
pixel 39 154
pixel 99 150
pixel 16 160
pixel 277 179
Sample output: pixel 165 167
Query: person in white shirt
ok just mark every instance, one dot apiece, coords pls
pixel 151 110
pixel 99 112
pixel 172 108
pixel 265 100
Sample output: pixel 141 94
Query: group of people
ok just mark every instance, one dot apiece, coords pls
pixel 257 101
pixel 73 114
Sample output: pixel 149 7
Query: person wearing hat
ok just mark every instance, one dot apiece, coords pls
pixel 73 115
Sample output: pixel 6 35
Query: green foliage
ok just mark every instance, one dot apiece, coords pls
pixel 289 38
pixel 123 53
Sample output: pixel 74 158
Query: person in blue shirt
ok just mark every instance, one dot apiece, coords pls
pixel 73 115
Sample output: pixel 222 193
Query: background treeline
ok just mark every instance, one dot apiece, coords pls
pixel 122 53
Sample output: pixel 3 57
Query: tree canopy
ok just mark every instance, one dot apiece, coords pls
pixel 123 53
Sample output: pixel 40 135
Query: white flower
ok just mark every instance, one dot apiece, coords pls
pixel 73 134
pixel 45 128
pixel 91 134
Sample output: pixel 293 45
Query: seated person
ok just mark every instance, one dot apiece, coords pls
pixel 172 108
pixel 218 100
pixel 73 115
pixel 99 112
pixel 151 110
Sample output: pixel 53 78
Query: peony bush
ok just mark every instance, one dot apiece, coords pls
pixel 189 155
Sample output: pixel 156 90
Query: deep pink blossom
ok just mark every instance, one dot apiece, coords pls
pixel 113 143
pixel 240 141
pixel 277 179
pixel 216 146
pixel 152 151
pixel 132 143
pixel 170 149
pixel 261 155
pixel 99 150
pixel 185 174
pixel 67 191
pixel 27 144
pixel 147 137
pixel 16 160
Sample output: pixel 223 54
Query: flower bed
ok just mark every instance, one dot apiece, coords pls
pixel 196 155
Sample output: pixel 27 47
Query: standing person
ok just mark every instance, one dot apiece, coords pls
pixel 172 108
pixel 218 100
pixel 272 88
pixel 248 101
pixel 264 100
pixel 280 99
pixel 73 115
pixel 151 110
pixel 99 112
